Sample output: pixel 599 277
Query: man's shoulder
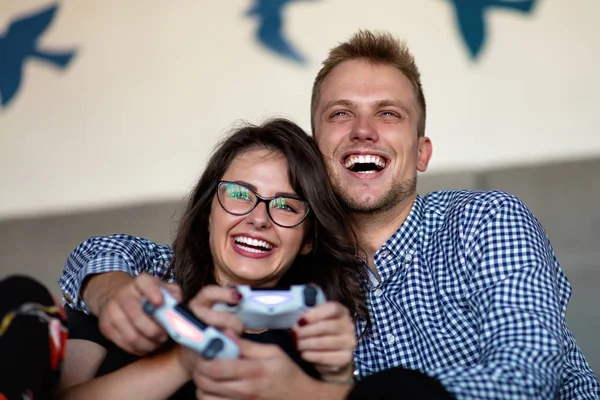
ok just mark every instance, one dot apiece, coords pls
pixel 449 199
pixel 460 205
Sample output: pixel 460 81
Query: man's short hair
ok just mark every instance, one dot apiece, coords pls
pixel 378 48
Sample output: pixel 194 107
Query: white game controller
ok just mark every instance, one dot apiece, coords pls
pixel 186 329
pixel 274 308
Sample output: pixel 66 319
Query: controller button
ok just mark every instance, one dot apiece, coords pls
pixel 213 348
pixel 148 307
pixel 310 296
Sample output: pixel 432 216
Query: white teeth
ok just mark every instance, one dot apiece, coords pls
pixel 249 249
pixel 369 159
pixel 252 242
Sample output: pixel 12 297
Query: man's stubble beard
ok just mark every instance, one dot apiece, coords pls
pixel 398 193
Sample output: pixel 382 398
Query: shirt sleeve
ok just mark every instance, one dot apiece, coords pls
pixel 517 295
pixel 114 253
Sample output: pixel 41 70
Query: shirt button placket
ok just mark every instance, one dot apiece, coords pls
pixel 390 338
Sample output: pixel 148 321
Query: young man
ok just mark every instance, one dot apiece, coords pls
pixel 465 286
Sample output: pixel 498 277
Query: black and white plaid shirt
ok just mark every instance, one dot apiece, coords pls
pixel 468 291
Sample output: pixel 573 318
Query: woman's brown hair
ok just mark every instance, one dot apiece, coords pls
pixel 332 264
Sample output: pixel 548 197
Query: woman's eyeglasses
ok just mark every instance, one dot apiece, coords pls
pixel 284 211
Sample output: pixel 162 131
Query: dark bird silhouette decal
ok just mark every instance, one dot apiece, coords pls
pixel 21 43
pixel 470 16
pixel 270 32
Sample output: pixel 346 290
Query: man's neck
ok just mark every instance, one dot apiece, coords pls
pixel 373 230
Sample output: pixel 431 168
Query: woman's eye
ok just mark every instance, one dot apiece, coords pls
pixel 238 192
pixel 282 204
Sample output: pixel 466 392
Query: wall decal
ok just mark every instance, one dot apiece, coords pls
pixel 270 32
pixel 471 19
pixel 19 44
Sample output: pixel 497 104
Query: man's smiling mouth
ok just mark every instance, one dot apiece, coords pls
pixel 365 163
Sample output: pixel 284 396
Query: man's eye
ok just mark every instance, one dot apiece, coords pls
pixel 339 114
pixel 390 114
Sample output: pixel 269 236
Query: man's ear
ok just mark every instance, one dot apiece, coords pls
pixel 424 155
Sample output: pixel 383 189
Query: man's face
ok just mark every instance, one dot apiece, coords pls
pixel 366 127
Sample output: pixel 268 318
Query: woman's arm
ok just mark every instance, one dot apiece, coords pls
pixel 154 377
pixel 82 360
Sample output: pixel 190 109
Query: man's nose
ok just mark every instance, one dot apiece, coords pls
pixel 364 130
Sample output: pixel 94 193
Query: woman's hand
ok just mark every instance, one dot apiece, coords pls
pixel 187 358
pixel 201 305
pixel 326 337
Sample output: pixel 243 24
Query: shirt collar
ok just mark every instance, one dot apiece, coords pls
pixel 403 243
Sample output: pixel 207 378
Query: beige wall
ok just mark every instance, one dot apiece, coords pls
pixel 154 83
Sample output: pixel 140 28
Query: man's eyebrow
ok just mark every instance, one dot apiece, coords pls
pixel 392 103
pixel 339 102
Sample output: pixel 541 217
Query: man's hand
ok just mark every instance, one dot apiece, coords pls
pixel 117 301
pixel 326 337
pixel 263 372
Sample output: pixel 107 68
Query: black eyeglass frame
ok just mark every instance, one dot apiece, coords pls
pixel 262 199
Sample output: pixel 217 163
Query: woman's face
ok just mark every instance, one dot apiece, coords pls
pixel 251 249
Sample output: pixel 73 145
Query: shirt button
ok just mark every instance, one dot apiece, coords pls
pixel 378 292
pixel 391 338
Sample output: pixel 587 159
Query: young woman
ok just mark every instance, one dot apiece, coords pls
pixel 262 214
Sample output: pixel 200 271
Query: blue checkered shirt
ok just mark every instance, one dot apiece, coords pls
pixel 468 291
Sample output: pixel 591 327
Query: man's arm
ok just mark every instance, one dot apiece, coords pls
pixel 515 287
pixel 82 281
pixel 578 380
pixel 102 269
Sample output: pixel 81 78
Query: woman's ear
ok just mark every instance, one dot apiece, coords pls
pixel 307 246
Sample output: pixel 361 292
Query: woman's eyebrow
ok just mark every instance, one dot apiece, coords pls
pixel 287 194
pixel 278 194
pixel 247 184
